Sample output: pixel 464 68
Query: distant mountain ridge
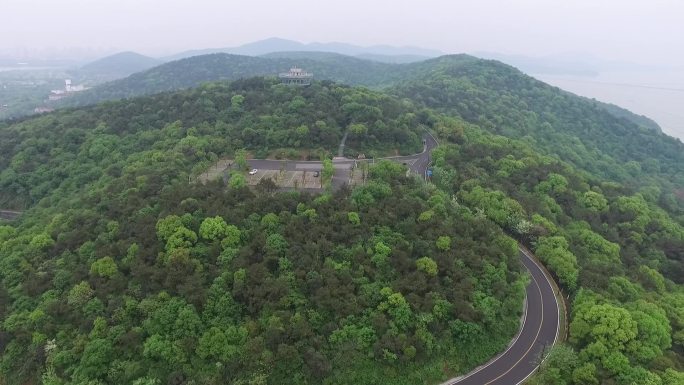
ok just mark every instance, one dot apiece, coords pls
pixel 392 59
pixel 272 45
pixel 195 70
pixel 118 66
pixel 129 62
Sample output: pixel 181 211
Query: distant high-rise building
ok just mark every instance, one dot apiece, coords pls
pixel 68 90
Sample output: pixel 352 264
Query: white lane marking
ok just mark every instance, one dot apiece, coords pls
pixel 534 340
pixel 495 359
pixel 555 339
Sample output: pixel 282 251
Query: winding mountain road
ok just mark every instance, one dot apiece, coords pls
pixel 419 163
pixel 541 323
pixel 539 331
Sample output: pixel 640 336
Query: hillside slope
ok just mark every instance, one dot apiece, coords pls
pixel 620 112
pixel 598 139
pixel 260 115
pixel 122 272
pixel 196 70
pixel 507 102
pixel 191 72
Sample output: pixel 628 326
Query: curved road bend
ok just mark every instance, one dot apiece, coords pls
pixel 418 163
pixel 540 328
pixel 539 331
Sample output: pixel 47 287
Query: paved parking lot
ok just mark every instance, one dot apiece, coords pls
pixel 300 174
pixel 287 179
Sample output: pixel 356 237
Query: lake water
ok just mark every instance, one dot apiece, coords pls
pixel 25 68
pixel 658 95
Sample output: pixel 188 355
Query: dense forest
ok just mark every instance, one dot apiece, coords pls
pixel 601 139
pixel 503 101
pixel 617 254
pixel 196 70
pixel 123 272
pixel 120 254
pixel 62 152
pixel 214 284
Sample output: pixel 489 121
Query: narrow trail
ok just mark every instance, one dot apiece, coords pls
pixel 340 149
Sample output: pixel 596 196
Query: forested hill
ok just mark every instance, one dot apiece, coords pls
pixel 619 112
pixel 61 152
pixel 503 100
pixel 594 136
pixel 193 71
pixel 125 272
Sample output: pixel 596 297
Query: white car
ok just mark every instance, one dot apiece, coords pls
pixel 254 171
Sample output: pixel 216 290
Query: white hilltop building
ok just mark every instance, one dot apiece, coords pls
pixel 296 76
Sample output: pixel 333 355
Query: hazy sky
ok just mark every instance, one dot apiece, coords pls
pixel 648 31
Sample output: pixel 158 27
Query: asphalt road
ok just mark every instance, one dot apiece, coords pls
pixel 539 332
pixel 541 323
pixel 542 314
pixel 340 176
pixel 9 214
pixel 417 163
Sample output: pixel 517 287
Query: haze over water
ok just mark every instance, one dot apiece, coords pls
pixel 658 95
